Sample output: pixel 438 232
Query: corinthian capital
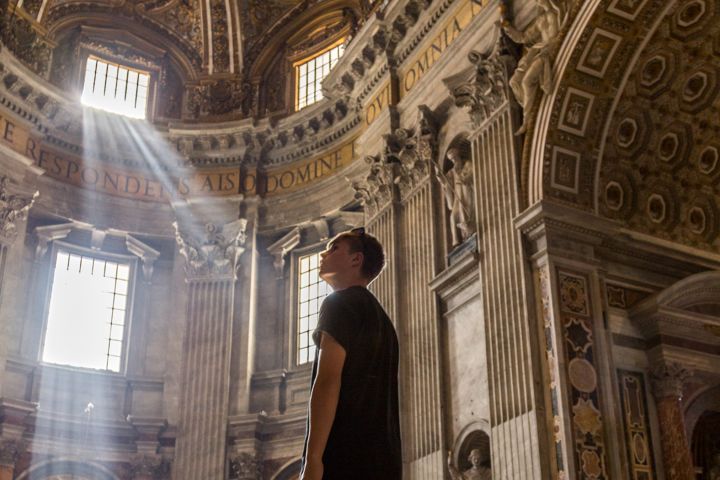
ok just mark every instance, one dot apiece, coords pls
pixel 376 190
pixel 213 250
pixel 14 206
pixel 668 379
pixel 484 88
pixel 10 451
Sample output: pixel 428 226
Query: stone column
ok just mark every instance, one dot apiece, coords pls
pixel 211 253
pixel 668 380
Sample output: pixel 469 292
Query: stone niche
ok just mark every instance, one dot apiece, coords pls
pixel 464 353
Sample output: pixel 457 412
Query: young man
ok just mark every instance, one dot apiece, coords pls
pixel 353 425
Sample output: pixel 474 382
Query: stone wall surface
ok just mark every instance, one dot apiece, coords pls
pixel 543 177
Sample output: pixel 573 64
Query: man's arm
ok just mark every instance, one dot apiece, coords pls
pixel 323 404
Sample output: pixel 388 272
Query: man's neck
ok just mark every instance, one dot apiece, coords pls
pixel 343 283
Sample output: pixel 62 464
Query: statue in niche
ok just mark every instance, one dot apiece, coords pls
pixel 457 184
pixel 714 472
pixel 542 41
pixel 476 472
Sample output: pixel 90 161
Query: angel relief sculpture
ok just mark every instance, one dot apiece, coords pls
pixel 542 41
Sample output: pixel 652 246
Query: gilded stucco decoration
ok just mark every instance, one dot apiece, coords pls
pixel 660 172
pixel 636 424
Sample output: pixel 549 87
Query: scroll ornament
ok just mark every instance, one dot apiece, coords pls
pixel 214 250
pixel 14 208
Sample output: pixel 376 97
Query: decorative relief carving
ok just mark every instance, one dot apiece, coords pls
pixel 376 191
pixel 10 451
pixel 149 467
pixel 668 379
pixel 660 168
pixel 221 97
pixel 14 207
pixel 245 466
pixel 212 251
pixel 19 36
pixel 220 40
pixel 182 17
pixel 487 88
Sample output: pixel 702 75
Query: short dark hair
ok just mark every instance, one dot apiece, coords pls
pixel 359 240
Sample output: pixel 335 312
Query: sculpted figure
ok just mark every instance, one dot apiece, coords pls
pixel 457 184
pixel 542 40
pixel 476 472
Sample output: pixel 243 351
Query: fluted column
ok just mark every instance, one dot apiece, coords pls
pixel 668 380
pixel 211 254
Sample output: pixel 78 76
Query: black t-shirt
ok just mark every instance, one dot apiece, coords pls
pixel 364 441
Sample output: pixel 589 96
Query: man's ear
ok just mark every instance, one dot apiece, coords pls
pixel 357 259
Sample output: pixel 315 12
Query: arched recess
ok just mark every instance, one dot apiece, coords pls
pixel 473 436
pixel 269 62
pixel 599 51
pixel 289 471
pixel 130 44
pixel 703 422
pixel 71 468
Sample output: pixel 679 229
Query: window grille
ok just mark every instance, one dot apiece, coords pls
pixel 87 313
pixel 312 290
pixel 115 88
pixel 311 72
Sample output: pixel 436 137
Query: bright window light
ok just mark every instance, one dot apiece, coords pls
pixel 88 304
pixel 114 88
pixel 311 72
pixel 311 292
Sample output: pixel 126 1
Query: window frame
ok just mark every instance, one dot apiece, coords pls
pixel 306 57
pixel 294 310
pixel 132 261
pixel 152 69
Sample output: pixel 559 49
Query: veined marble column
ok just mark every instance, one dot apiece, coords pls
pixel 211 256
pixel 668 380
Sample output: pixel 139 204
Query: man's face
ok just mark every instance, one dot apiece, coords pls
pixel 337 258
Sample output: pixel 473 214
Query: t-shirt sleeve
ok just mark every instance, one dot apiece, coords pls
pixel 334 319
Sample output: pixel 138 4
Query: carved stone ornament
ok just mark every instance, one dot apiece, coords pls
pixel 376 191
pixel 149 467
pixel 668 380
pixel 416 149
pixel 245 466
pixel 486 88
pixel 213 250
pixel 10 451
pixel 14 207
pixel 542 42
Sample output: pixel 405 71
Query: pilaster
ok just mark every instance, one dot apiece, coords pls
pixel 211 251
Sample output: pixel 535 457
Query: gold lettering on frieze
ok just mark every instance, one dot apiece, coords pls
pixel 94 174
pixel 386 96
pixel 451 30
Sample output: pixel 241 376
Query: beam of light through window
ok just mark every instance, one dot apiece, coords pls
pixel 310 74
pixel 114 88
pixel 311 292
pixel 86 319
